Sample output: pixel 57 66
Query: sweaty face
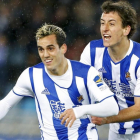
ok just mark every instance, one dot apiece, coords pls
pixel 51 55
pixel 111 29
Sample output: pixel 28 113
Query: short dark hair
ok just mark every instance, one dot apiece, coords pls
pixel 47 29
pixel 125 11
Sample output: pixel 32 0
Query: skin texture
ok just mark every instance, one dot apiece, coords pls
pixel 52 55
pixel 118 45
pixel 114 35
pixel 68 116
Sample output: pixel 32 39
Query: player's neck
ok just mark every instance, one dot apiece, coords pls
pixel 118 52
pixel 61 69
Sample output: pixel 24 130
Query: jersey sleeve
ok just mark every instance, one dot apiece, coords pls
pixel 23 85
pixel 98 90
pixel 9 101
pixel 85 56
pixel 137 88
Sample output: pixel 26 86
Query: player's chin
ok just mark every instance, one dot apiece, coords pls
pixel 107 44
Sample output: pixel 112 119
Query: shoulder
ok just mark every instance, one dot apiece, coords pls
pixel 96 43
pixel 136 49
pixel 39 65
pixel 78 64
pixel 82 68
pixel 79 68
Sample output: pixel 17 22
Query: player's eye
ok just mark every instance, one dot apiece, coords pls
pixel 112 24
pixel 40 49
pixel 51 48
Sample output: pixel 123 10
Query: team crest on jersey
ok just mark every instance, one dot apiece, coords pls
pixel 80 99
pixel 98 80
pixel 127 76
pixel 102 70
pixel 45 91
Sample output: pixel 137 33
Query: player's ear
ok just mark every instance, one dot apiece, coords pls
pixel 127 30
pixel 63 48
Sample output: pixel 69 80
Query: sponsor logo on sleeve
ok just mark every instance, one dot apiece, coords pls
pixel 98 80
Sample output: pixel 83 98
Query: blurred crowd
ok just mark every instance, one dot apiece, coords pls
pixel 19 20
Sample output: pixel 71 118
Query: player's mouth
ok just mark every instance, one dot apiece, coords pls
pixel 48 61
pixel 106 37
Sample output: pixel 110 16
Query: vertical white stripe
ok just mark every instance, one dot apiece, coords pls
pixel 133 62
pixel 99 58
pixel 91 133
pixel 82 89
pixel 64 97
pixel 48 128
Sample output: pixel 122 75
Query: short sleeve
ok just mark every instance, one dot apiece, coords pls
pixel 96 86
pixel 23 85
pixel 85 56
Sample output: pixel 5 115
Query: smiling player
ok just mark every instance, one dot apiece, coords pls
pixel 62 89
pixel 117 58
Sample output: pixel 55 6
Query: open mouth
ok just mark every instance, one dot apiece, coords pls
pixel 107 37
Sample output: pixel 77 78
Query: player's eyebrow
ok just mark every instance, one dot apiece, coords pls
pixel 51 45
pixel 109 20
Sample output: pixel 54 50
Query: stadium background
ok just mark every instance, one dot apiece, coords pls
pixel 19 20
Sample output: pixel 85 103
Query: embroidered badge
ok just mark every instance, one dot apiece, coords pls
pixel 127 76
pixel 80 99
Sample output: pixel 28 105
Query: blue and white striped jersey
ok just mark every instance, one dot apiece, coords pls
pixel 123 78
pixel 52 97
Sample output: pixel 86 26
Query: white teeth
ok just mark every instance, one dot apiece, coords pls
pixel 106 35
pixel 48 60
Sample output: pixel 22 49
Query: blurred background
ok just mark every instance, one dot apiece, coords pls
pixel 19 20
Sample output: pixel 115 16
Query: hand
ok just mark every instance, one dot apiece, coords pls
pixel 68 116
pixel 98 120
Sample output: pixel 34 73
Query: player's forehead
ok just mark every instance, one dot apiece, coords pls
pixel 110 16
pixel 47 40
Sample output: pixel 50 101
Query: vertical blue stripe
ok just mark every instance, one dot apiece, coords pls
pixel 124 67
pixel 61 130
pixel 106 64
pixel 89 99
pixel 74 93
pixel 136 126
pixel 83 129
pixel 33 88
pixel 82 73
pixel 92 54
pixel 136 68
